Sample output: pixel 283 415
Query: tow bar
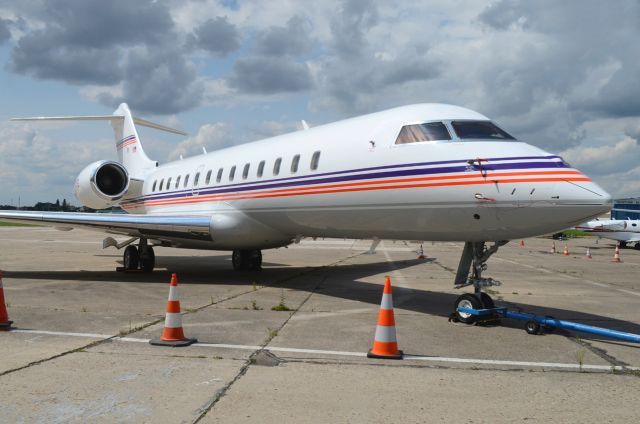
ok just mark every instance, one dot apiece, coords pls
pixel 536 324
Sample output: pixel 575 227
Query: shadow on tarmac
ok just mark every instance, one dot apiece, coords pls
pixel 341 281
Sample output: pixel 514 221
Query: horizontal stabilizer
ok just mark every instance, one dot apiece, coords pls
pixel 137 121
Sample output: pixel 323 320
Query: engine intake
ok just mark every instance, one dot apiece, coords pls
pixel 101 184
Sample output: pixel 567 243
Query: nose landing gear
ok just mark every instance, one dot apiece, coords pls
pixel 474 258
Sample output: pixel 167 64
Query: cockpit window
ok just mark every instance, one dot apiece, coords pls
pixel 485 130
pixel 430 131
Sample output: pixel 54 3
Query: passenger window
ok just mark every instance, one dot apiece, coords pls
pixel 232 173
pixel 186 181
pixel 430 131
pixel 178 181
pixel 276 166
pixel 154 185
pixel 245 171
pixel 161 184
pixel 260 169
pixel 208 179
pixel 169 184
pixel 219 176
pixel 315 160
pixel 294 163
pixel 196 179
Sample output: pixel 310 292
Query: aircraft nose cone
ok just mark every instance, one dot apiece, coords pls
pixel 588 198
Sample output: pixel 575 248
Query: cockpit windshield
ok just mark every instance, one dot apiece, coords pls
pixel 484 130
pixel 430 131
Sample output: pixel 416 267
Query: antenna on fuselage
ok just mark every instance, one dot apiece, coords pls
pixel 305 126
pixel 204 150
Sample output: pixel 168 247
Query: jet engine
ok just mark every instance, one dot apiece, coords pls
pixel 102 184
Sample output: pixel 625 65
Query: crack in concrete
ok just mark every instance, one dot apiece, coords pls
pixel 219 394
pixel 132 330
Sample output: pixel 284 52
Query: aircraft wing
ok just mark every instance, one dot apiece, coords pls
pixel 148 226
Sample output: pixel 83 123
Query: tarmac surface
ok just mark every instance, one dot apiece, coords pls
pixel 80 353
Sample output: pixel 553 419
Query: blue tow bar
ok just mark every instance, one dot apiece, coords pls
pixel 536 323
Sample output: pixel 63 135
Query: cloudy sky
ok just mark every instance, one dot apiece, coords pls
pixel 562 75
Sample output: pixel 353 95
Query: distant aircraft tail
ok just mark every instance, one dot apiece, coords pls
pixel 128 145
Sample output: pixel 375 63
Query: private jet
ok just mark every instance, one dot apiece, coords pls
pixel 623 231
pixel 421 172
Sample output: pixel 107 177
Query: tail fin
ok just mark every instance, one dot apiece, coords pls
pixel 130 152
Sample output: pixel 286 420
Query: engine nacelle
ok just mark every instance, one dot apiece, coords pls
pixel 101 184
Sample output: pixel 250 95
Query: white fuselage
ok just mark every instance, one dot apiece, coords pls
pixel 367 186
pixel 614 229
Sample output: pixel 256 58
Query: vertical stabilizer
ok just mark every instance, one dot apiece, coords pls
pixel 130 151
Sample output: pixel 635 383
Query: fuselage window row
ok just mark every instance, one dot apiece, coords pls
pixel 295 162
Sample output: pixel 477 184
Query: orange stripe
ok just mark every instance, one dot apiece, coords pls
pixel 385 348
pixel 386 318
pixel 201 199
pixel 397 180
pixel 172 334
pixel 173 306
pixel 312 190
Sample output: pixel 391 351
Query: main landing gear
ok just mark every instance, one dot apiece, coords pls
pixel 474 257
pixel 139 258
pixel 246 260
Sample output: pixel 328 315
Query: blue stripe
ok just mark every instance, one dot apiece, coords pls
pixel 313 179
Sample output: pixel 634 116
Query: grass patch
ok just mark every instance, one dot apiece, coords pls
pixel 576 233
pixel 15 224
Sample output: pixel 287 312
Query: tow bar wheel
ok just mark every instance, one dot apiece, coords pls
pixel 532 327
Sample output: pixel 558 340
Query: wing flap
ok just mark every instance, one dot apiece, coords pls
pixel 192 227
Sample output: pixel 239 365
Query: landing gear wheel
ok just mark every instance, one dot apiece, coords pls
pixel 255 260
pixel 637 246
pixel 148 260
pixel 246 260
pixel 532 327
pixel 467 300
pixel 623 244
pixel 238 260
pixel 487 301
pixel 131 258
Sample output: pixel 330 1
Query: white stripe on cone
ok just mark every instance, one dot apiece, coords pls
pixel 387 302
pixel 173 320
pixel 173 293
pixel 385 334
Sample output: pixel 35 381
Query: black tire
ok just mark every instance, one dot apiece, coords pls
pixel 255 260
pixel 487 301
pixel 623 244
pixel 467 300
pixel 131 258
pixel 532 327
pixel 237 260
pixel 148 260
pixel 637 246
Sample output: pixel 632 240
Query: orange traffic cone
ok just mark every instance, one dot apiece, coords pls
pixel 565 252
pixel 521 243
pixel 5 324
pixel 616 256
pixel 385 345
pixel 553 248
pixel 589 253
pixel 421 253
pixel 173 335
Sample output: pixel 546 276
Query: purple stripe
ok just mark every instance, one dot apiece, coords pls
pixel 311 178
pixel 344 178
